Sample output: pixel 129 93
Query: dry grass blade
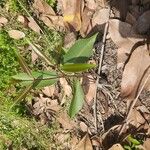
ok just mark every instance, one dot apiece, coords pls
pixel 40 54
pixel 99 69
pixel 22 95
pixel 23 64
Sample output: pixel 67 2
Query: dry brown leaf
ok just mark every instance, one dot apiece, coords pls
pixel 121 34
pixel 146 144
pixel 134 71
pixel 91 4
pixel 89 87
pixel 43 105
pixel 73 142
pixel 86 24
pixel 65 121
pixel 101 3
pixel 3 21
pixel 147 86
pixel 71 14
pixel 47 15
pixel 62 138
pixel 33 25
pixel 100 17
pixel 49 90
pixel 116 147
pixel 42 7
pixel 136 119
pixel 96 141
pixel 23 20
pixel 53 22
pixel 69 39
pixel 16 34
pixel 66 89
pixel 84 144
pixel 34 56
pixel 83 126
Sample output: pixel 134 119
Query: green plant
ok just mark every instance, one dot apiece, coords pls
pixel 133 143
pixel 22 132
pixel 68 65
pixel 8 61
pixel 51 2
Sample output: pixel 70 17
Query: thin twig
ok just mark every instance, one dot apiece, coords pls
pixel 133 104
pixel 98 77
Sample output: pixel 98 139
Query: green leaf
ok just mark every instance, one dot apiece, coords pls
pixel 40 79
pixel 78 99
pixel 80 51
pixel 126 147
pixel 133 140
pixel 77 67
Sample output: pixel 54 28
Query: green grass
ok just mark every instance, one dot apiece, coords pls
pixel 23 132
pixel 17 127
pixel 8 62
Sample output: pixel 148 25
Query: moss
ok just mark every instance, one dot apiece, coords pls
pixel 8 62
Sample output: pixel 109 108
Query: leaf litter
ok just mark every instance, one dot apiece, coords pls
pixel 125 68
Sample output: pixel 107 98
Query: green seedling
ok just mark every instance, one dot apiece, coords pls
pixel 133 143
pixel 71 66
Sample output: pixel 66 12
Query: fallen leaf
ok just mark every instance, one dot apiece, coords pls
pixel 33 25
pixel 83 126
pixel 49 90
pixel 42 7
pixel 53 22
pixel 84 144
pixel 146 144
pixel 100 17
pixel 120 33
pixel 23 20
pixel 62 138
pixel 44 105
pixel 3 21
pixel 34 56
pixel 89 87
pixel 47 15
pixel 91 4
pixel 71 14
pixel 65 121
pixel 136 119
pixel 69 39
pixel 73 142
pixel 134 72
pixel 96 141
pixel 86 24
pixel 66 89
pixel 116 147
pixel 16 34
pixel 147 86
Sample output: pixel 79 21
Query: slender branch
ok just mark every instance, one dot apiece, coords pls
pixel 98 77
